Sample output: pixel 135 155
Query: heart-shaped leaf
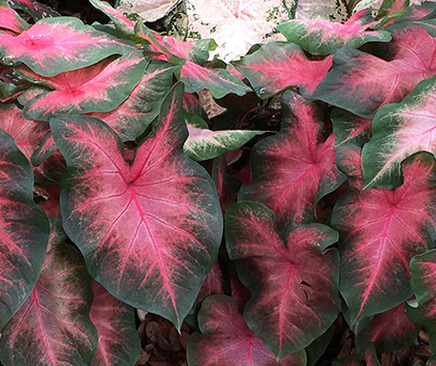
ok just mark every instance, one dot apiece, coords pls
pixel 227 341
pixel 278 65
pixel 53 323
pixel 292 280
pixel 381 231
pixel 149 230
pixel 24 230
pixel 97 88
pixel 292 170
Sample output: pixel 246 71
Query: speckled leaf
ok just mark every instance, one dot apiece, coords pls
pixel 322 37
pixel 97 88
pixel 9 19
pixel 118 340
pixel 400 130
pixel 149 11
pixel 225 339
pixel 349 128
pixel 204 144
pixel 24 230
pixel 123 23
pixel 149 230
pixel 292 278
pixel 133 116
pixel 292 170
pixel 278 65
pixel 52 327
pixel 381 231
pixel 362 83
pixel 34 9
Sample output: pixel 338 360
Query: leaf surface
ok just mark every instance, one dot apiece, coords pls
pixel 278 65
pixel 9 19
pixel 24 230
pixel 97 88
pixel 361 83
pixel 150 11
pixel 120 20
pixel 118 340
pixel 292 170
pixel 34 9
pixel 291 303
pixel 150 230
pixel 381 231
pixel 322 37
pixel 227 341
pixel 52 327
pixel 349 128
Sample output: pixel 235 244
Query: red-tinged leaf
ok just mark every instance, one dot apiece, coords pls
pixel 348 159
pixel 362 83
pixel 24 230
pixel 118 340
pixel 388 331
pixel 44 150
pixel 278 65
pixel 52 327
pixel 226 185
pixel 349 128
pixel 292 280
pixel 123 23
pixel 291 170
pixel 237 290
pixel 9 91
pixel 34 9
pixel 423 270
pixel 371 358
pixel 381 231
pixel 131 118
pixel 351 360
pixel 56 45
pixel 149 230
pixel 97 88
pixel 47 197
pixel 399 131
pixel 213 284
pixel 322 37
pixel 225 339
pixel 9 19
pixel 27 135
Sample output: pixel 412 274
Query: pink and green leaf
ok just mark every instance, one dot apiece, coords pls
pixel 227 185
pixel 124 24
pixel 44 149
pixel 24 230
pixel 278 65
pixel 10 20
pixel 53 324
pixel 349 128
pixel 225 339
pixel 149 230
pixel 34 9
pixel 213 284
pixel 381 230
pixel 118 340
pixel 131 118
pixel 399 131
pixel 361 83
pixel 322 37
pixel 293 170
pixel 97 88
pixel 292 279
pixel 56 45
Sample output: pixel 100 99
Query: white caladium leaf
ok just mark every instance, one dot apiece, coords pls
pixel 150 10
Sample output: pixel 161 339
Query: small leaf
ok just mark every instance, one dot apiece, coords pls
pixel 44 150
pixel 278 65
pixel 123 23
pixel 291 303
pixel 34 9
pixel 9 19
pixel 227 341
pixel 349 128
pixel 149 11
pixel 56 45
pixel 53 324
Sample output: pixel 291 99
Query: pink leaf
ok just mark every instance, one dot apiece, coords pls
pixel 9 19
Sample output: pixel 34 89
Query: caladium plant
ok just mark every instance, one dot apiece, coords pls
pixel 303 211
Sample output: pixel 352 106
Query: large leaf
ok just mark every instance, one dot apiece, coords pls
pixel 400 130
pixel 56 45
pixel 53 325
pixel 24 230
pixel 118 340
pixel 149 230
pixel 362 83
pixel 28 134
pixel 227 341
pixel 97 88
pixel 322 37
pixel 132 117
pixel 423 269
pixel 9 19
pixel 381 231
pixel 278 65
pixel 292 170
pixel 292 279
pixel 34 9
